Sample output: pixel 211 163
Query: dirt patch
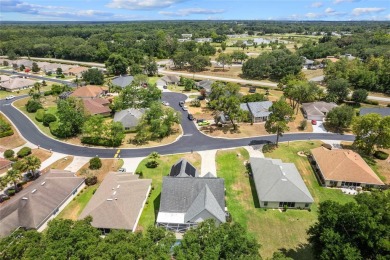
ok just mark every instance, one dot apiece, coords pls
pixel 12 141
pixel 43 155
pixel 61 164
pixel 108 165
pixel 313 73
pixel 203 111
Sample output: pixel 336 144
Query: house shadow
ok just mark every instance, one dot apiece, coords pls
pixel 156 206
pixel 302 252
pixel 256 201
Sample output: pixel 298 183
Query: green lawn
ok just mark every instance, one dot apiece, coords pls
pixel 275 230
pixel 76 206
pixel 149 214
pixel 4 94
pixel 153 80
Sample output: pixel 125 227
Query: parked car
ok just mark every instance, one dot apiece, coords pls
pixel 199 120
pixel 190 117
pixel 313 122
pixel 122 170
pixel 10 97
pixel 201 97
pixel 181 103
pixel 185 108
pixel 165 103
pixel 252 89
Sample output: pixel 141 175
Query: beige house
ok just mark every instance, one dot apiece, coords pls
pixel 343 168
pixel 75 71
pixel 15 84
pixel 89 91
pixel 317 110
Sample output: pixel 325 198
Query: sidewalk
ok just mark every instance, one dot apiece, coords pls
pixel 255 151
pixel 131 164
pixel 77 163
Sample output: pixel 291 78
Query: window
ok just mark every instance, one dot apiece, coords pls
pixel 288 204
pixel 307 205
pixel 265 203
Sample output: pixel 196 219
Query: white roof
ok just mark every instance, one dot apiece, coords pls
pixel 170 217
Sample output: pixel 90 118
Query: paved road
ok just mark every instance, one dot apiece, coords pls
pixel 60 81
pixel 192 139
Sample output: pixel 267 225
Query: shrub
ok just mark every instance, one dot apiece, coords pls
pixel 55 129
pixel 195 103
pixel 154 155
pixel 303 124
pixel 9 154
pixel 11 192
pixel 32 106
pixel 388 105
pixel 151 164
pixel 268 148
pixel 48 93
pixel 5 129
pixel 92 180
pixel 381 155
pixel 24 152
pixel 95 163
pixel 39 115
pixel 140 174
pixel 371 102
pixel 48 118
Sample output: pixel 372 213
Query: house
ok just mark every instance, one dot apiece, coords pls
pixel 122 81
pixel 39 202
pixel 200 40
pixel 383 111
pixel 167 80
pixel 129 118
pixel 328 58
pixel 183 168
pixel 15 84
pixel 75 71
pixel 186 35
pixel 187 201
pixel 89 91
pixel 279 184
pixel 97 106
pixel 307 64
pixel 348 56
pixel 317 110
pixel 24 62
pixel 258 111
pixel 343 168
pixel 118 202
pixel 52 67
pixel 5 164
pixel 206 85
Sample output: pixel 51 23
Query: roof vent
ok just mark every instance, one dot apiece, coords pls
pixel 43 183
pixel 116 198
pixel 113 188
pixel 118 186
pixel 109 199
pixel 34 190
pixel 24 198
pixel 284 179
pixel 114 193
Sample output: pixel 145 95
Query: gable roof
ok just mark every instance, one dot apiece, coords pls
pixel 205 84
pixel 129 117
pixel 171 78
pixel 191 196
pixel 183 168
pixel 278 182
pixel 76 70
pixel 118 201
pixel 31 207
pixel 122 81
pixel 383 111
pixel 318 108
pixel 89 91
pixel 257 109
pixel 346 165
pixel 17 83
pixel 96 106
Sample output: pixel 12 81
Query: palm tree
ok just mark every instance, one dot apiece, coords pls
pixel 14 176
pixel 32 163
pixel 3 182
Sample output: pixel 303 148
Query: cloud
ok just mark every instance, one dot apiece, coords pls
pixel 314 15
pixel 387 16
pixel 142 4
pixel 190 11
pixel 367 10
pixel 316 4
pixel 345 1
pixel 329 10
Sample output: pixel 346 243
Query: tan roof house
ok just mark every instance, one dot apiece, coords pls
pixel 343 168
pixel 15 84
pixel 97 106
pixel 317 110
pixel 76 71
pixel 118 202
pixel 89 91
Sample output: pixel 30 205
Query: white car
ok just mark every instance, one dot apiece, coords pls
pixel 165 103
pixel 10 97
pixel 185 108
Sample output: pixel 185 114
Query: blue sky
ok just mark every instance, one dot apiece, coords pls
pixel 122 10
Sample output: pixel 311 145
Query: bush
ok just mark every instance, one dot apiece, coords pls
pixel 8 154
pixel 151 164
pixel 195 103
pixel 11 192
pixel 381 155
pixel 24 152
pixel 48 118
pixel 95 163
pixel 92 180
pixel 32 106
pixel 268 148
pixel 140 174
pixel 48 93
pixel 303 124
pixel 5 129
pixel 371 102
pixel 39 115
pixel 388 105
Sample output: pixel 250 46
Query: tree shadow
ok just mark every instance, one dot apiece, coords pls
pixel 302 252
pixel 156 206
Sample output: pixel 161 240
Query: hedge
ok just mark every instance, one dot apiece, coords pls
pixel 371 102
pixel 100 141
pixel 95 163
pixel 9 154
pixel 6 133
pixel 39 114
pixel 48 118
pixel 32 106
pixel 24 152
pixel 5 128
pixel 381 155
pixel 48 93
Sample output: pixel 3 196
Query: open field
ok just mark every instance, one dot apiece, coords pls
pixel 12 141
pixel 149 214
pixel 275 230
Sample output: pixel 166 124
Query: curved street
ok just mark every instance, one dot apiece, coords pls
pixel 192 139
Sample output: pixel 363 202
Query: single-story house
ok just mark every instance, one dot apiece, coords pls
pixel 15 84
pixel 186 35
pixel 348 56
pixel 89 91
pixel 383 111
pixel 183 168
pixel 168 80
pixel 5 164
pixel 122 81
pixel 200 40
pixel 187 201
pixel 129 118
pixel 52 67
pixel 307 64
pixel 259 111
pixel 317 110
pixel 97 106
pixel 118 202
pixel 206 85
pixel 24 62
pixel 4 78
pixel 343 168
pixel 39 202
pixel 329 58
pixel 279 184
pixel 75 71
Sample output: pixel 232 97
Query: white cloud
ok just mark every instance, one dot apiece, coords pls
pixel 142 4
pixel 189 11
pixel 367 10
pixel 316 4
pixel 313 15
pixel 329 10
pixel 388 17
pixel 345 1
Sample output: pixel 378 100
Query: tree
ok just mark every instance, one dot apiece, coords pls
pixel 13 176
pixel 359 95
pixel 199 63
pixel 59 71
pixel 71 116
pixel 340 117
pixel 224 59
pixel 22 67
pixel 150 67
pixel 135 69
pixel 208 241
pixel 95 163
pixel 300 91
pixel 223 46
pixel 32 163
pixel 239 56
pixel 189 84
pixel 93 77
pixel 35 67
pixel 371 130
pixel 353 230
pixel 206 49
pixel 337 90
pixel 33 105
pixel 253 98
pixel 117 64
pixel 277 122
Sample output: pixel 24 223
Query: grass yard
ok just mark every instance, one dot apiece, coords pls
pixel 12 141
pixel 275 230
pixel 42 154
pixel 4 94
pixel 149 214
pixel 60 164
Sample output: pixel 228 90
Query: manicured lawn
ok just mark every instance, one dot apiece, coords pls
pixel 76 206
pixel 149 214
pixel 275 230
pixel 4 93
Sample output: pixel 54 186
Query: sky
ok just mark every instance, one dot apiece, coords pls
pixel 129 10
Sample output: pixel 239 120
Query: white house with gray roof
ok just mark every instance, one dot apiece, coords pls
pixel 279 184
pixel 129 118
pixel 259 111
pixel 317 110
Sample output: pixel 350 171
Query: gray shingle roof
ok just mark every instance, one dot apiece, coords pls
pixel 278 182
pixel 318 108
pixel 183 168
pixel 122 81
pixel 193 196
pixel 383 111
pixel 257 109
pixel 33 205
pixel 205 84
pixel 129 117
pixel 118 201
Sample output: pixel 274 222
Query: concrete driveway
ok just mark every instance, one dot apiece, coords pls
pixel 319 127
